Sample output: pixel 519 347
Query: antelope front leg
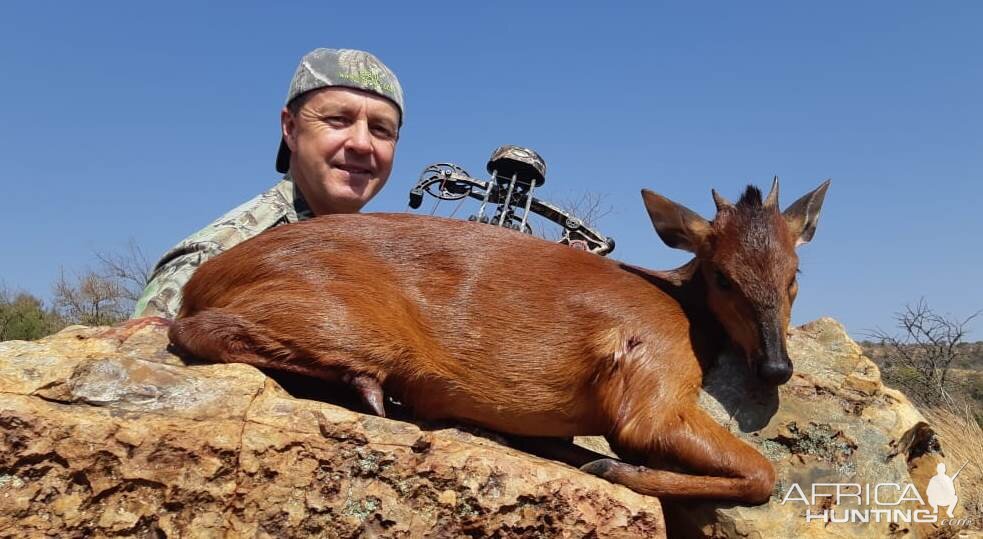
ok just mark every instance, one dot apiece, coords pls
pixel 722 466
pixel 561 449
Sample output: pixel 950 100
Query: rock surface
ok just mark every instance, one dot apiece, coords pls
pixel 105 433
pixel 833 422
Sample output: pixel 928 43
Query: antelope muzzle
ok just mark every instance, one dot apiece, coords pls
pixel 774 366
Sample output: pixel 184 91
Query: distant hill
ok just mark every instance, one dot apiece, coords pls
pixel 965 374
pixel 971 354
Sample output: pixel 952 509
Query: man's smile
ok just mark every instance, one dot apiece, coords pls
pixel 354 169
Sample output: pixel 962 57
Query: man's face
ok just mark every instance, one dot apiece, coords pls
pixel 342 142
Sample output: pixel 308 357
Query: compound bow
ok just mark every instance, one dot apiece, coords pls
pixel 515 173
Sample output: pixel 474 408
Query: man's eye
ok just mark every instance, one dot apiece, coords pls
pixel 383 132
pixel 336 120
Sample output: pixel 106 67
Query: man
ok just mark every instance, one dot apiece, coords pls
pixel 339 127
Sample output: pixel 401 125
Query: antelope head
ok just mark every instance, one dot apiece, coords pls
pixel 746 257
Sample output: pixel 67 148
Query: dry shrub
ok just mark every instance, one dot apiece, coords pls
pixel 962 442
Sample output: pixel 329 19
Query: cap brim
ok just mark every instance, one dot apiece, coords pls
pixel 283 157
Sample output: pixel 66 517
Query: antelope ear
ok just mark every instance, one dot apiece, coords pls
pixel 678 226
pixel 803 215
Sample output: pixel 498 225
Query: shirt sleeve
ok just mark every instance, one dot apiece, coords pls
pixel 162 295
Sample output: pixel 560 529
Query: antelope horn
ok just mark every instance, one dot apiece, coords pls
pixel 720 201
pixel 771 201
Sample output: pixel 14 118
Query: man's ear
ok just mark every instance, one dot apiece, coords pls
pixel 803 215
pixel 288 125
pixel 678 226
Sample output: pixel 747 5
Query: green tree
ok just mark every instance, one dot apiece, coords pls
pixel 24 317
pixel 101 297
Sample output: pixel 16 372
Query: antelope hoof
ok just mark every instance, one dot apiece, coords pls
pixel 371 392
pixel 601 467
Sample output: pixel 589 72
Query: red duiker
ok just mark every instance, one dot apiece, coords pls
pixel 516 334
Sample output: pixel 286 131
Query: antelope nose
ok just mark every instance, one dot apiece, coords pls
pixel 775 373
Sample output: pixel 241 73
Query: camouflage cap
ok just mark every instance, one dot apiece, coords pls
pixel 347 68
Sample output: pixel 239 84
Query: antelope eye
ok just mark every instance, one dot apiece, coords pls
pixel 723 282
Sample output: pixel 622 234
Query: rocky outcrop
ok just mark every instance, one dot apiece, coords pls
pixel 105 433
pixel 834 422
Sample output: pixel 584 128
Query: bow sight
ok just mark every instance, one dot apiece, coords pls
pixel 507 198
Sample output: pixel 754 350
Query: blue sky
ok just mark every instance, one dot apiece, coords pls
pixel 125 121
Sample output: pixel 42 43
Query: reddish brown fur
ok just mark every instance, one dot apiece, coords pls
pixel 756 252
pixel 487 326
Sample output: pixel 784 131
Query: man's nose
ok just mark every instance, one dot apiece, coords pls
pixel 360 139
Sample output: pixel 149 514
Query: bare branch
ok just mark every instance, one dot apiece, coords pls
pixel 89 299
pixel 590 207
pixel 925 350
pixel 130 269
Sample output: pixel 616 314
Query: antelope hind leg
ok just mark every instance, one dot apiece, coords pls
pixel 723 467
pixel 216 335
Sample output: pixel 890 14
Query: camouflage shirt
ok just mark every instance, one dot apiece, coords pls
pixel 281 204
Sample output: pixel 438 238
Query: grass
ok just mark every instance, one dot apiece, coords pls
pixel 962 442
